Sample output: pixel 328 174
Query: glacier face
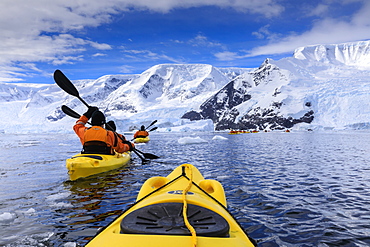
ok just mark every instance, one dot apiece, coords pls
pixel 323 87
pixel 351 54
pixel 252 101
pixel 319 87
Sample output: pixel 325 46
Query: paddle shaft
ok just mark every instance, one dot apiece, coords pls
pixel 68 111
pixel 148 131
pixel 64 83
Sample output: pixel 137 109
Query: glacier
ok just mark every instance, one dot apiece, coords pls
pixel 321 87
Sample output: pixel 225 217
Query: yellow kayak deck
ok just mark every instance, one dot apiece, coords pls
pixel 158 216
pixel 84 165
pixel 142 139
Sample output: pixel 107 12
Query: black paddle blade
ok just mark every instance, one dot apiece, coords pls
pixel 150 156
pixel 151 124
pixel 139 155
pixel 64 83
pixel 153 129
pixel 147 155
pixel 68 111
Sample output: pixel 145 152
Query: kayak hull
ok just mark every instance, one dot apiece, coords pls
pixel 142 140
pixel 145 223
pixel 84 165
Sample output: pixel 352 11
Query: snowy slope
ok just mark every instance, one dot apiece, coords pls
pixel 171 85
pixel 335 79
pixel 163 92
pixel 166 92
pixel 352 54
pixel 319 87
pixel 322 87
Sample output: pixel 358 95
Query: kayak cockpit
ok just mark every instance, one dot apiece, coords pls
pixel 167 219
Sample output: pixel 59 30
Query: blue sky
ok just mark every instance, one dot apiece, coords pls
pixel 87 39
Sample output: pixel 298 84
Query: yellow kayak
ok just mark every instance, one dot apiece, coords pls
pixel 84 165
pixel 142 139
pixel 234 132
pixel 158 218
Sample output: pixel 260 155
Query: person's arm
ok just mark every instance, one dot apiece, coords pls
pixel 122 145
pixel 79 127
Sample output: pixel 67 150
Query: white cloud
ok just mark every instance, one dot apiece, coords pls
pixel 265 33
pixel 10 73
pixel 227 56
pixel 324 31
pixel 46 31
pixel 67 60
pixel 177 41
pixel 319 10
pixel 266 8
pixel 146 55
pixel 126 69
pixel 100 46
pixel 201 40
pixel 50 31
pixel 41 48
pixel 99 55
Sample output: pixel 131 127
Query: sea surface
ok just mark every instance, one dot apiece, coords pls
pixel 285 189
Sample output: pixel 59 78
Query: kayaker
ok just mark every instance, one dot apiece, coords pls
pixel 96 139
pixel 142 133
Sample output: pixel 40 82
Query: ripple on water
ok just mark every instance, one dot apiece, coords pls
pixel 296 189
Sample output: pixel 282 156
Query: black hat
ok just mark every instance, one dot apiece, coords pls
pixel 142 128
pixel 97 118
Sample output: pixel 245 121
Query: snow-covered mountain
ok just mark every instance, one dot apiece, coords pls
pixel 323 86
pixel 319 87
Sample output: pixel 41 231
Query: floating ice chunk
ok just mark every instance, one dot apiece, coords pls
pixel 57 196
pixel 70 244
pixel 30 211
pixel 6 216
pixel 219 138
pixel 191 140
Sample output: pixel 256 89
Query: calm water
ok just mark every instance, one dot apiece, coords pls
pixel 286 189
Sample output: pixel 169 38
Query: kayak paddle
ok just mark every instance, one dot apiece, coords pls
pixel 148 131
pixel 148 155
pixel 68 111
pixel 64 83
pixel 151 124
pixel 153 129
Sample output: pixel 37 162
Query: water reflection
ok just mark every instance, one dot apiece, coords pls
pixel 286 189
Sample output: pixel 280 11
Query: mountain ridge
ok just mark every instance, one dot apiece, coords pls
pixel 319 87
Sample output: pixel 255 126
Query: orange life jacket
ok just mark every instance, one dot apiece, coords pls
pixel 95 133
pixel 141 134
pixel 96 141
